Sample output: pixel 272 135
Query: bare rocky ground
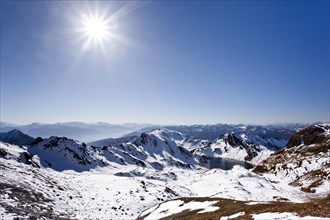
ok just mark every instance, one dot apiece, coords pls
pixel 228 207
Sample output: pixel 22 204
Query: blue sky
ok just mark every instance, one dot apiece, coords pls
pixel 177 62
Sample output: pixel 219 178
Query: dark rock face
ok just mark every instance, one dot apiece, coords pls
pixel 37 141
pixel 3 153
pixel 310 135
pixel 232 140
pixel 252 152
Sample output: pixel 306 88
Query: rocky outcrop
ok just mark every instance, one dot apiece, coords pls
pixel 305 161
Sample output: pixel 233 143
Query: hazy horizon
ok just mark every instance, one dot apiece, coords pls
pixel 160 124
pixel 165 62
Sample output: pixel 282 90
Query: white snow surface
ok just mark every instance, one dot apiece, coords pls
pixel 232 216
pixel 209 209
pixel 176 206
pixel 108 193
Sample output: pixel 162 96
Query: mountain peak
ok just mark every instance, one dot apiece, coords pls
pixel 15 136
pixel 231 139
pixel 15 131
pixel 314 134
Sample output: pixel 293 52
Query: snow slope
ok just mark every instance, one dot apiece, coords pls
pixel 61 153
pixel 122 192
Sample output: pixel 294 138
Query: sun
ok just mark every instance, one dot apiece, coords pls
pixel 95 28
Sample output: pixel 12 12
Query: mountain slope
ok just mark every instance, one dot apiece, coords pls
pixel 16 137
pixel 233 147
pixel 156 149
pixel 304 162
pixel 61 153
pixel 16 153
pixel 28 192
pixel 243 147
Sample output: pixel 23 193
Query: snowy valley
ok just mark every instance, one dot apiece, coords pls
pixel 169 172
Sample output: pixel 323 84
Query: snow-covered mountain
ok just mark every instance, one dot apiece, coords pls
pixel 252 144
pixel 250 148
pixel 304 162
pixel 154 150
pixel 121 191
pixel 61 178
pixel 245 147
pixel 16 137
pixel 61 153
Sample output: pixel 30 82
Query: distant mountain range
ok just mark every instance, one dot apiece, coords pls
pixel 157 148
pixel 76 130
pixel 214 131
pixel 91 132
pixel 250 143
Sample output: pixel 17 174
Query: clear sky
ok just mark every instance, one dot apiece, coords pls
pixel 169 62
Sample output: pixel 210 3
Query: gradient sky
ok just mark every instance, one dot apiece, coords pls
pixel 176 62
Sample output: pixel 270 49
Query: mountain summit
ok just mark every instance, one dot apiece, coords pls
pixel 17 137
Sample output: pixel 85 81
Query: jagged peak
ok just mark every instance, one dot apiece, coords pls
pixel 232 139
pixel 57 138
